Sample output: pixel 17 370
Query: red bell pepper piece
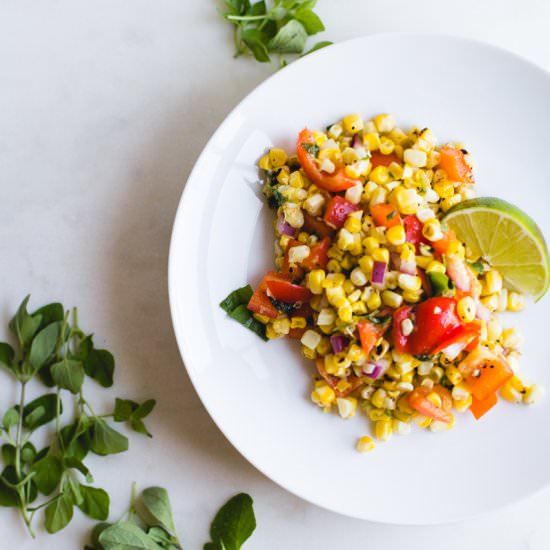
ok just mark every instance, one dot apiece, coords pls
pixel 261 304
pixel 281 288
pixel 337 211
pixel 337 181
pixel 453 162
pixel 480 406
pixel 370 333
pixel 318 256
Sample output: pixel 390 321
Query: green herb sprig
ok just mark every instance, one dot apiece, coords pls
pixel 151 525
pixel 278 28
pixel 52 347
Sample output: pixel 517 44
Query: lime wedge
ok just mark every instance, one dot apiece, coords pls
pixel 507 238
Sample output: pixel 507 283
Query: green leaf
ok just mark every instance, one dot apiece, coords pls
pixel 41 411
pixel 144 409
pixel 234 523
pixel 255 41
pixel 10 418
pixel 212 546
pixel 8 454
pixel 49 313
pixel 157 503
pixel 28 453
pixel 124 409
pixel 100 365
pixel 258 8
pixel 8 496
pixel 243 316
pixel 319 45
pixel 126 536
pixel 312 149
pixel 291 38
pixel 47 474
pixel 74 488
pixel 43 345
pixel 310 20
pixel 60 512
pixel 77 439
pixel 158 534
pixel 299 4
pixel 105 440
pixel 237 7
pixel 95 502
pixel 139 427
pixel 441 284
pixel 68 374
pixel 71 462
pixel 238 297
pixel 7 355
pixel 96 533
pixel 23 325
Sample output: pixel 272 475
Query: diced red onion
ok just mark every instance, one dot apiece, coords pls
pixel 456 269
pixel 284 228
pixel 403 266
pixel 454 350
pixel 375 369
pixel 338 342
pixel 482 312
pixel 379 272
pixel 356 141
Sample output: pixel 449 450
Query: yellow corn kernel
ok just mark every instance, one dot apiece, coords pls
pixel 440 426
pixel 453 374
pixel 533 394
pixel 345 313
pixel 374 301
pixel 401 427
pixel 315 281
pixel 492 282
pixel 277 158
pixel 384 122
pixel 355 353
pixel 456 249
pixel 392 299
pixel 315 302
pixel 435 399
pixel 308 353
pixel 409 282
pixel 298 322
pixel 412 296
pixel 445 189
pixel 490 302
pixel 436 267
pixel 261 318
pixel 371 244
pixel 494 329
pixel 354 296
pixel 462 405
pixel 283 176
pixel 377 398
pixel 352 224
pixel 383 429
pixel 396 235
pixel 466 309
pixel 271 333
pixel 281 326
pixel 348 286
pixel 381 255
pixel 380 175
pixel 386 146
pixel 372 140
pixel 407 377
pixel 516 301
pixel 353 124
pixel 296 180
pixel 422 421
pixel 447 204
pixel 333 266
pixel 365 444
pixel 406 200
pixel 424 261
pixel 265 163
pixel 359 308
pixel 347 406
pixel 432 230
pixel 513 390
pixel 323 395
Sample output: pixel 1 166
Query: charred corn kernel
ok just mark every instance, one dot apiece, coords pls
pixel 513 390
pixel 371 244
pixel 407 327
pixel 353 225
pixel 392 299
pixel 374 301
pixel 384 122
pixel 466 309
pixel 412 296
pixel 381 255
pixel 445 189
pixel 315 281
pixel 359 308
pixel 326 317
pixel 335 131
pixel 314 204
pixel 516 301
pixel 386 146
pixel 261 318
pixel 440 426
pixel 447 204
pixel 453 375
pixel 415 157
pixel 396 235
pixel 511 338
pixel 353 124
pixel 298 322
pixel 422 421
pixel 334 266
pixel 533 394
pixel 365 444
pixel 298 254
pixel 380 175
pixel 409 282
pixel 383 429
pixel 490 302
pixel 277 158
pixel 492 282
pixel 494 329
pixel 381 348
pixel 371 140
pixel 435 267
pixel 281 326
pixel 400 428
pixel 354 193
pixel 347 406
pixel 432 230
pixel 407 200
pixel 378 397
pixel 323 395
pixel 293 214
pixel 436 374
pixel 345 313
pixel 309 353
pixel 355 353
pixel 265 163
pixel 462 405
pixel 310 339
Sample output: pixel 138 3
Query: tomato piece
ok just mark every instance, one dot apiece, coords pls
pixel 281 288
pixel 443 244
pixel 485 372
pixel 318 257
pixel 261 304
pixel 370 333
pixel 418 400
pixel 480 406
pixel 338 181
pixel 296 333
pixel 305 310
pixel 353 380
pixel 317 226
pixel 400 341
pixel 337 211
pixel 453 162
pixel 295 271
pixel 385 215
pixel 413 231
pixel 462 336
pixel 379 159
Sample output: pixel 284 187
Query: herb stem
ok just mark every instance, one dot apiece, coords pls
pixel 245 17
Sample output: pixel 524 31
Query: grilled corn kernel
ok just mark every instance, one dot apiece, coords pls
pixel 347 406
pixel 445 189
pixel 384 122
pixel 374 301
pixel 345 313
pixel 376 414
pixel 396 235
pixel 359 308
pixel 407 200
pixel 516 301
pixel 447 204
pixel 453 374
pixel 315 281
pixel 309 353
pixel 511 338
pixel 371 140
pixel 415 157
pixel 407 327
pixel 492 282
pixel 383 430
pixel 436 267
pixel 386 146
pixel 533 394
pixel 271 333
pixel 298 254
pixel 262 318
pixel 462 405
pixel 380 175
pixel 440 426
pixel 277 158
pixel 265 163
pixel 412 296
pixel 513 390
pixel 353 124
pixel 352 224
pixel 432 230
pixel 436 374
pixel 298 322
pixel 466 309
pixel 392 299
pixel 409 282
pixel 381 255
pixel 310 339
pixel 281 326
pixel 365 444
pixel 314 204
pixel 371 244
pixel 323 395
pixel 494 329
pixel 400 428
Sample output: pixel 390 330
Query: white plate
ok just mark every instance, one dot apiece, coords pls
pixel 258 393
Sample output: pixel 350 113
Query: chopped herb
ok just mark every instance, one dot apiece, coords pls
pixel 284 307
pixel 276 199
pixel 478 267
pixel 246 319
pixel 441 284
pixel 238 297
pixel 391 215
pixel 376 320
pixel 271 177
pixel 312 149
pixel 423 357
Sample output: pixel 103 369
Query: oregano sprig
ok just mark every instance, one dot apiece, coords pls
pixel 53 348
pixel 273 27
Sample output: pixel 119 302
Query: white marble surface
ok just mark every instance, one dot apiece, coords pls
pixel 104 107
